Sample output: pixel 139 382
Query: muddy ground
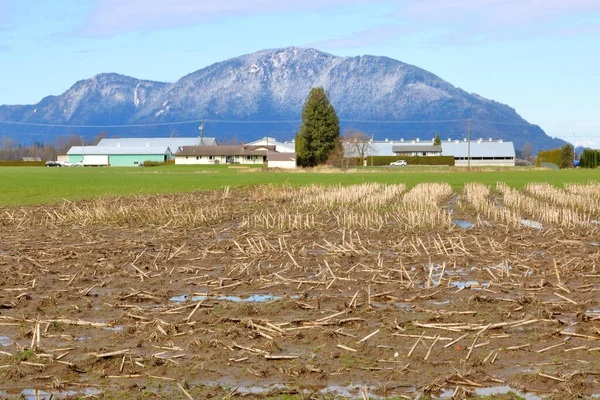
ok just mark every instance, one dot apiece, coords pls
pixel 215 306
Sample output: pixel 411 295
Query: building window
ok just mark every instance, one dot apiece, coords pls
pixel 197 158
pixel 211 157
pixel 248 157
pixel 186 157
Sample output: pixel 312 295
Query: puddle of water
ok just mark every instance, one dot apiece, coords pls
pixel 37 394
pixel 440 303
pixel 593 243
pixel 116 328
pixel 259 389
pixel 463 224
pixel 473 285
pixel 495 390
pixel 531 224
pixel 5 341
pixel 255 298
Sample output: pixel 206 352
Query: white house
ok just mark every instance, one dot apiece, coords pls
pixel 281 160
pixel 222 154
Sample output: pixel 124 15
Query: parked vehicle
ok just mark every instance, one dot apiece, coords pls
pixel 53 164
pixel 398 163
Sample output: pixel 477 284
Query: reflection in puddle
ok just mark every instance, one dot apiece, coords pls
pixel 463 224
pixel 492 391
pixel 116 328
pixel 474 285
pixel 255 298
pixel 37 394
pixel 531 224
pixel 5 341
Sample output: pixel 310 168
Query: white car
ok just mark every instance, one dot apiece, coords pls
pixel 398 163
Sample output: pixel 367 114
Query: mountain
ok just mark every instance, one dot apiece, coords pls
pixel 262 93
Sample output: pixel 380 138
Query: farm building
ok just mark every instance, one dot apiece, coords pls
pixel 129 152
pixel 280 147
pixel 419 149
pixel 483 153
pixel 130 156
pixel 281 160
pixel 171 142
pixel 223 154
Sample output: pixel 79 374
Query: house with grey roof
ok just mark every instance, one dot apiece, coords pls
pixel 187 155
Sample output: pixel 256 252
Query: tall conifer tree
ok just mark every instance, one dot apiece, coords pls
pixel 320 129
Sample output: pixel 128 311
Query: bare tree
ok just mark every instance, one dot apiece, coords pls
pixel 357 144
pixel 338 158
pixel 526 152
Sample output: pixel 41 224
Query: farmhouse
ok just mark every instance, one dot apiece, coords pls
pixel 482 153
pixel 223 154
pixel 130 152
pixel 281 160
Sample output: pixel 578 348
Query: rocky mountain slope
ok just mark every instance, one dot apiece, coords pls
pixel 262 93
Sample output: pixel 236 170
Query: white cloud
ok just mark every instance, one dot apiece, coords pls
pixel 110 17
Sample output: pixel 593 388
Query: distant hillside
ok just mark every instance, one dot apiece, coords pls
pixel 379 95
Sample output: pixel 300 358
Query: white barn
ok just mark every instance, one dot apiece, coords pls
pixel 486 153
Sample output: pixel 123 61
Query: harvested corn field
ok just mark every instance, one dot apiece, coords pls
pixel 365 291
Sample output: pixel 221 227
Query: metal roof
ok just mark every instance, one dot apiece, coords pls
pixel 398 148
pixel 220 151
pixel 171 142
pixel 478 149
pixel 109 150
pixel 281 157
pixel 271 141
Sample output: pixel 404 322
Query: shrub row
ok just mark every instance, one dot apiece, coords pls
pixel 589 159
pixel 386 160
pixel 158 163
pixel 15 163
pixel 549 156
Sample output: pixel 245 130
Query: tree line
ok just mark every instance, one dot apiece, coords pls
pixel 11 150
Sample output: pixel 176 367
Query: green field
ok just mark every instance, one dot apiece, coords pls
pixel 40 185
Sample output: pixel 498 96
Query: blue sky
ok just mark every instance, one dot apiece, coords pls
pixel 541 57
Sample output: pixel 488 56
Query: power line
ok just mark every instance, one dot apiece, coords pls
pixel 215 121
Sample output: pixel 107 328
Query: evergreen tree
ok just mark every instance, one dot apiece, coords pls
pixel 566 156
pixel 320 129
pixel 437 141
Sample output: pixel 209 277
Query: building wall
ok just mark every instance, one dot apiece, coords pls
pixel 485 163
pixel 282 164
pixel 124 160
pixel 207 160
pixel 133 160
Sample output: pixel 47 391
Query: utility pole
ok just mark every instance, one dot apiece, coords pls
pixel 201 127
pixel 469 144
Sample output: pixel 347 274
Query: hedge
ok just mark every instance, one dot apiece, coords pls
pixel 148 163
pixel 589 159
pixel 550 156
pixel 15 163
pixel 387 160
